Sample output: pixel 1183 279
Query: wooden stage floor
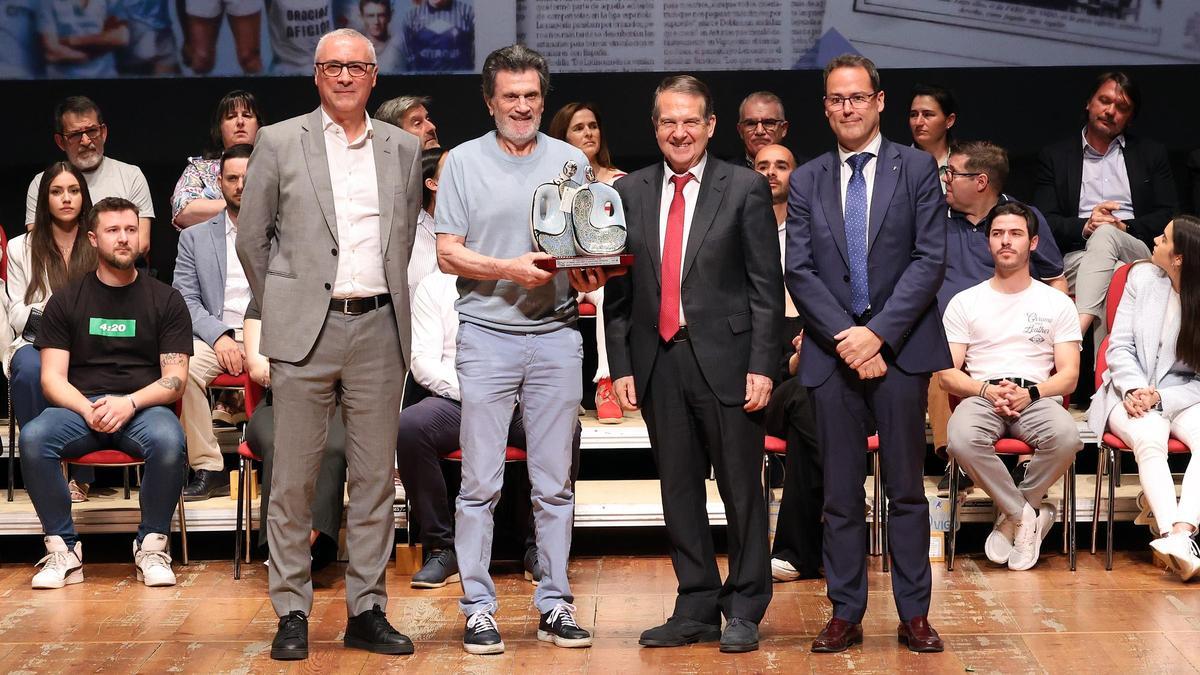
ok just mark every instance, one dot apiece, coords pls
pixel 1135 619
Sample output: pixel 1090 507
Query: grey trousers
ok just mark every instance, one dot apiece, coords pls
pixel 358 356
pixel 1090 271
pixel 546 371
pixel 1045 426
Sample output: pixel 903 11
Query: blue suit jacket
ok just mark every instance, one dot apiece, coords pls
pixel 906 260
pixel 200 276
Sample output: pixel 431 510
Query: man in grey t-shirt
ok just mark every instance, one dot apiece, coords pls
pixel 517 339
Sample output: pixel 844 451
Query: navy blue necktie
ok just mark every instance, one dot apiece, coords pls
pixel 856 233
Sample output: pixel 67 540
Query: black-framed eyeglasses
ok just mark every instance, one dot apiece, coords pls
pixel 952 174
pixel 91 132
pixel 334 68
pixel 768 124
pixel 857 101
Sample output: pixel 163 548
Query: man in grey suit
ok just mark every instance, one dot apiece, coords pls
pixel 212 283
pixel 326 228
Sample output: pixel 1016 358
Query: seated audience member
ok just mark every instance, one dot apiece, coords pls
pixel 80 37
pixel 974 179
pixel 410 113
pixel 579 124
pixel 330 489
pixel 53 254
pixel 209 276
pixel 80 132
pixel 932 112
pixel 115 348
pixel 197 196
pixel 429 429
pixel 1106 194
pixel 760 123
pixel 796 553
pixel 1015 344
pixel 1151 391
pixel 423 260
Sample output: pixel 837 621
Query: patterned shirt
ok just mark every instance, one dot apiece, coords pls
pixel 200 180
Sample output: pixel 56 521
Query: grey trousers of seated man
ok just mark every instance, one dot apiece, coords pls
pixel 546 371
pixel 1045 426
pixel 1089 272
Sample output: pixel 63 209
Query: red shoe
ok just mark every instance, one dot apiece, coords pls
pixel 608 411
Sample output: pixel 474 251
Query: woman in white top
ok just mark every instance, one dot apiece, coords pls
pixel 579 125
pixel 1151 390
pixel 52 254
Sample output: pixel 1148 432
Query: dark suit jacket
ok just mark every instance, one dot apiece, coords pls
pixel 906 260
pixel 1060 176
pixel 732 289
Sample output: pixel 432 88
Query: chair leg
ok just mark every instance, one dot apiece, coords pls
pixel 237 526
pixel 952 534
pixel 125 474
pixel 12 446
pixel 1113 470
pixel 183 529
pixel 1101 455
pixel 766 479
pixel 875 546
pixel 1071 507
pixel 880 507
pixel 247 486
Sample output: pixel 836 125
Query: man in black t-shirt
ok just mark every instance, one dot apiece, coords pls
pixel 114 348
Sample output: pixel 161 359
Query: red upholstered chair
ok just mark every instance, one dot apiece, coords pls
pixel 1110 444
pixel 878 544
pixel 253 393
pixel 587 309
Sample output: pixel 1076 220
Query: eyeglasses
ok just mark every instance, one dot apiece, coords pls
pixel 91 132
pixel 670 125
pixel 334 68
pixel 952 174
pixel 768 124
pixel 857 101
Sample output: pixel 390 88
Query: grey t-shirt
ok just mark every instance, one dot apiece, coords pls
pixel 112 178
pixel 485 195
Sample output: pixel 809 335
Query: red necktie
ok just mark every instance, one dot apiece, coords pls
pixel 672 262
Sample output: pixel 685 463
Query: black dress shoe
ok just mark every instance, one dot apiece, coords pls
pixel 372 632
pixel 679 631
pixel 440 569
pixel 291 639
pixel 533 567
pixel 741 635
pixel 206 484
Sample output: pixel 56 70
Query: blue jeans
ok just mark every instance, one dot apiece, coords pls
pixel 153 434
pixel 28 400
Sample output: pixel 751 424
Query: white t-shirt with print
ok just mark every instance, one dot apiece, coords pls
pixel 1011 334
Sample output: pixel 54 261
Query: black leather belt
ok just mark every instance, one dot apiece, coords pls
pixel 680 336
pixel 1020 382
pixel 356 306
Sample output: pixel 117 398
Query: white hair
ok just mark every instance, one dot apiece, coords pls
pixel 344 33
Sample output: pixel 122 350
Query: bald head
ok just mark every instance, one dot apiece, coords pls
pixel 776 163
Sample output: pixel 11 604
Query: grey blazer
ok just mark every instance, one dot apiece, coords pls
pixel 1140 353
pixel 200 276
pixel 287 231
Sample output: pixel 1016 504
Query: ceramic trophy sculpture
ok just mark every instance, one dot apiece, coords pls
pixel 580 225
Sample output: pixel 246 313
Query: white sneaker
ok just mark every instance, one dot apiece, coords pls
pixel 999 543
pixel 1027 540
pixel 153 560
pixel 61 566
pixel 782 570
pixel 1182 552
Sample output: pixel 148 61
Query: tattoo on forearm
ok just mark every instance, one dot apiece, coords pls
pixel 173 383
pixel 172 359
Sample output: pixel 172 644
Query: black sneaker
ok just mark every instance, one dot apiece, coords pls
pixel 440 569
pixel 371 631
pixel 964 482
pixel 482 635
pixel 558 626
pixel 207 484
pixel 291 639
pixel 533 567
pixel 1019 471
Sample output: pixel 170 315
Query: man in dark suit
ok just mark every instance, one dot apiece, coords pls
pixel 866 243
pixel 692 335
pixel 1106 195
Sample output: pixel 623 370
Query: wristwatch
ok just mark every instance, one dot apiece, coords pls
pixel 1034 394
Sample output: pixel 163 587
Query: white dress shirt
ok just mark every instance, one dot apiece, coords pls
pixel 237 288
pixel 434 330
pixel 356 206
pixel 868 173
pixel 1105 178
pixel 423 260
pixel 789 307
pixel 691 191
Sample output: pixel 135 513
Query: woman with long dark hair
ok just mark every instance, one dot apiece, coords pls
pixel 52 254
pixel 197 196
pixel 932 112
pixel 1151 391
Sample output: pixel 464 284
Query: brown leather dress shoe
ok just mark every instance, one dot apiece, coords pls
pixel 837 636
pixel 919 635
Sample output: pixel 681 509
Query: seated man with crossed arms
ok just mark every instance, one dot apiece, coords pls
pixel 1010 333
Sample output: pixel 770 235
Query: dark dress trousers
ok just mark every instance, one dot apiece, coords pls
pixel 692 392
pixel 906 263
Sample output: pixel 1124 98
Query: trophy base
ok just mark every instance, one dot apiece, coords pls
pixel 582 261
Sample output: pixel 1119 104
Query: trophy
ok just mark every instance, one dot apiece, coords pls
pixel 581 225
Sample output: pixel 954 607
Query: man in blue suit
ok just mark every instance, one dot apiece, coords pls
pixel 210 278
pixel 865 255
